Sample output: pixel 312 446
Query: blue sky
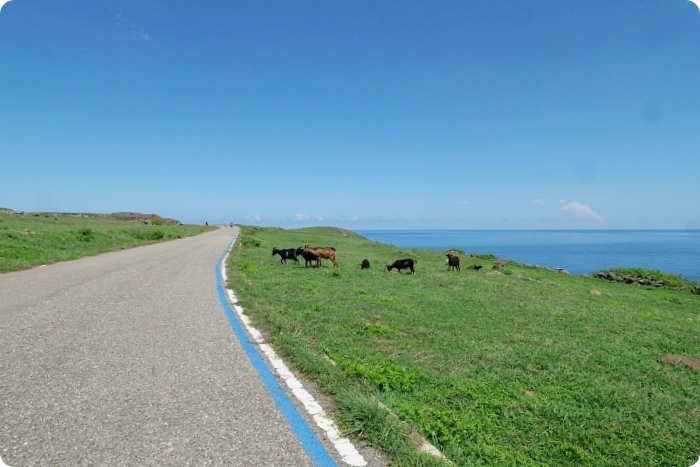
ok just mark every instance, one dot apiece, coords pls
pixel 501 114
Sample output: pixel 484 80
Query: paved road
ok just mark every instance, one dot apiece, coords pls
pixel 127 359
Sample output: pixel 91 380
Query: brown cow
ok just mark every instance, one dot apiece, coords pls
pixel 322 252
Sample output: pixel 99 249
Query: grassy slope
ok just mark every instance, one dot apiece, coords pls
pixel 523 368
pixel 35 239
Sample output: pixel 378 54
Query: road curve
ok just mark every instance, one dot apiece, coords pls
pixel 127 359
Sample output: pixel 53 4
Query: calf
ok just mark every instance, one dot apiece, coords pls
pixel 452 261
pixel 365 264
pixel 402 264
pixel 289 253
pixel 308 256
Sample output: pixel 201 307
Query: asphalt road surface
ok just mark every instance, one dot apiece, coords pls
pixel 128 359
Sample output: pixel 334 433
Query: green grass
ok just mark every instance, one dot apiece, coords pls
pixel 29 240
pixel 527 367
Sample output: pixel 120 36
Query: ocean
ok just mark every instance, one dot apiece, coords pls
pixel 577 251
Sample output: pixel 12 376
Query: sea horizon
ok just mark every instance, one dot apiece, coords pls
pixel 578 251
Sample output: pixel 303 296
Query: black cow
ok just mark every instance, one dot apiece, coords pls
pixel 365 264
pixel 402 264
pixel 308 256
pixel 289 253
pixel 452 261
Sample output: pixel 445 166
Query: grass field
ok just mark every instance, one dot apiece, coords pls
pixel 525 367
pixel 33 239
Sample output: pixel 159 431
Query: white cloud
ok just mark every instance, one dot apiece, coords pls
pixel 582 211
pixel 253 217
pixel 301 217
pixel 122 21
pixel 539 201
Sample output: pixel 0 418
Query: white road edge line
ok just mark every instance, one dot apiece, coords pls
pixel 347 451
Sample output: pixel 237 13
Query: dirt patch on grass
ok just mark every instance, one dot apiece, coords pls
pixel 692 362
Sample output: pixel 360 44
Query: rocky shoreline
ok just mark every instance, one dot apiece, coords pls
pixel 627 279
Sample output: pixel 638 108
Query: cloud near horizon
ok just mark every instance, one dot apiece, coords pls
pixel 136 30
pixel 303 217
pixel 582 211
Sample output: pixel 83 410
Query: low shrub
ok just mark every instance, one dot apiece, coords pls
pixel 250 241
pixel 387 376
pixel 85 234
pixel 148 234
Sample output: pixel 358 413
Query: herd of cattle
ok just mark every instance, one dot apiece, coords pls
pixel 317 254
pixel 309 254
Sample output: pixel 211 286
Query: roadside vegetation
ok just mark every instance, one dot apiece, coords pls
pixel 523 366
pixel 32 239
pixel 650 277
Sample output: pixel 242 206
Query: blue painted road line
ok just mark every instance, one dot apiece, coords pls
pixel 311 444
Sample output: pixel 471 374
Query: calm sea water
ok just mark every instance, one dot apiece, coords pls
pixel 577 251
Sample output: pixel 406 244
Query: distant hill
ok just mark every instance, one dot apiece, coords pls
pixel 144 218
pixel 125 216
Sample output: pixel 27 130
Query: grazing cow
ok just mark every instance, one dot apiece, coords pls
pixel 365 264
pixel 477 267
pixel 289 253
pixel 308 256
pixel 402 264
pixel 452 261
pixel 322 253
